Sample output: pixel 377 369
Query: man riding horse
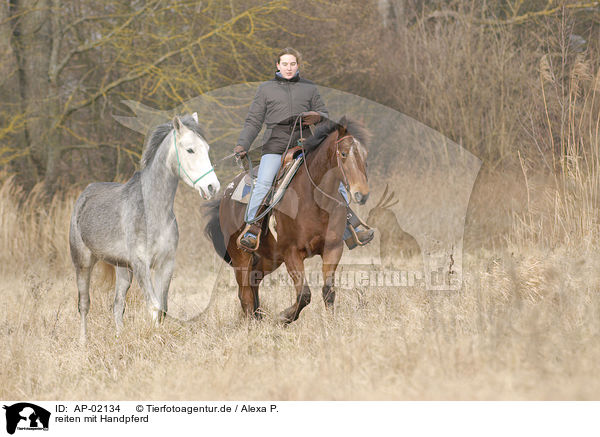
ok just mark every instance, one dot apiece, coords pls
pixel 277 103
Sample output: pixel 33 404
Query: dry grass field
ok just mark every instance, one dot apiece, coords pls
pixel 524 326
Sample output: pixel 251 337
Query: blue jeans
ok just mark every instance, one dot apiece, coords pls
pixel 269 165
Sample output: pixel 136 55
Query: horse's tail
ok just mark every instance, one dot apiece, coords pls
pixel 213 231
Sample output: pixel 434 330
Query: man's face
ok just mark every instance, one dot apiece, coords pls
pixel 287 66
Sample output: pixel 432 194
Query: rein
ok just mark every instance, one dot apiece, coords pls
pixel 340 166
pixel 301 141
pixel 316 186
pixel 194 182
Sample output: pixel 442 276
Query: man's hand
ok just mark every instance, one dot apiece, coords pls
pixel 239 151
pixel 310 117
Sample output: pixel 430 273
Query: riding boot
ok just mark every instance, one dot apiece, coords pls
pixel 249 238
pixel 353 235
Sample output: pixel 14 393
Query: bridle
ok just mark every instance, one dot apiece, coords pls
pixel 180 168
pixel 339 163
pixel 301 143
pixel 340 166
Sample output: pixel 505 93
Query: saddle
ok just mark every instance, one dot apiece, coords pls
pixel 291 164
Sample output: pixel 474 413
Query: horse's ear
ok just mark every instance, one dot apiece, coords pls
pixel 177 124
pixel 342 129
pixel 195 116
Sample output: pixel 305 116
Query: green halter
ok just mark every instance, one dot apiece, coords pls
pixel 179 162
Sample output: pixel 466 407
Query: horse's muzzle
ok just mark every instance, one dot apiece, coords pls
pixel 360 198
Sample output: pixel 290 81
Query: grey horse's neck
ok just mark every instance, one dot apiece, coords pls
pixel 159 183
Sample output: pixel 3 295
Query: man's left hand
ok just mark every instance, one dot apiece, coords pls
pixel 310 117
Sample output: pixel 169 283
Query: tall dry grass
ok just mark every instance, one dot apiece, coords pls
pixel 563 195
pixel 34 229
pixel 524 326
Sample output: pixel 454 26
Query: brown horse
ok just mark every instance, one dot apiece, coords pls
pixel 310 219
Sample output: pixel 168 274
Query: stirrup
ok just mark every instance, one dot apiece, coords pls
pixel 251 230
pixel 354 240
pixel 370 233
pixel 353 221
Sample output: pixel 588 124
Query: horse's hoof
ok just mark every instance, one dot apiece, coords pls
pixel 259 314
pixel 284 319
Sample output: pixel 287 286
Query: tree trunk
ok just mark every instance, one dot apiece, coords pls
pixel 8 66
pixel 33 43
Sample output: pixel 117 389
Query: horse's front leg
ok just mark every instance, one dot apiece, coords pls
pixel 142 272
pixel 331 258
pixel 162 280
pixel 295 267
pixel 248 281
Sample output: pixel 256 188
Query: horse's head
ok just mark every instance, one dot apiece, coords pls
pixel 193 163
pixel 351 155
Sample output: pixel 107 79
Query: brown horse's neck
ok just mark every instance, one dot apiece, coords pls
pixel 322 167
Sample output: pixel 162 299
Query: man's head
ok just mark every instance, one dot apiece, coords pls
pixel 288 61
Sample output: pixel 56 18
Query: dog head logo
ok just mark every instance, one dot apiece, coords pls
pixel 26 416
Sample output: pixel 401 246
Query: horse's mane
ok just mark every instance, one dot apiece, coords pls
pixel 159 134
pixel 323 129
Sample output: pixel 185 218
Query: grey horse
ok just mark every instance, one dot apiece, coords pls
pixel 132 225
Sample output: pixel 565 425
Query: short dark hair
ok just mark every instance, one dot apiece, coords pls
pixel 289 51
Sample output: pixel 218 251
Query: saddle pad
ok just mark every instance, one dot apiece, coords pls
pixel 241 193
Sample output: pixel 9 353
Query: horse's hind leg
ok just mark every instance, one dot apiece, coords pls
pixel 295 267
pixel 123 281
pixel 84 273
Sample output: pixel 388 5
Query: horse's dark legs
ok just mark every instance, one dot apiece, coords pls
pixel 295 267
pixel 331 259
pixel 123 281
pixel 248 290
pixel 254 285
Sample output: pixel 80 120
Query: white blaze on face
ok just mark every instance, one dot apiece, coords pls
pixel 354 172
pixel 362 150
